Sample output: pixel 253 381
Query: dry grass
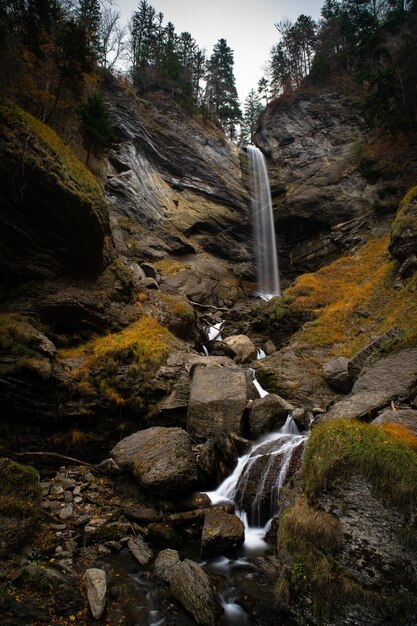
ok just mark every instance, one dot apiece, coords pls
pixel 339 293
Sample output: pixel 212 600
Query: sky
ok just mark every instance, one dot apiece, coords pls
pixel 247 25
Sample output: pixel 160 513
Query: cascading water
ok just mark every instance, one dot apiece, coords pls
pixel 257 479
pixel 263 224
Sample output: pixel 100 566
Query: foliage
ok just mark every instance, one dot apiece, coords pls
pixel 95 125
pixel 251 116
pixel 221 94
pixel 339 448
pixel 406 217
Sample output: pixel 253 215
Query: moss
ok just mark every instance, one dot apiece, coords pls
pixel 50 155
pixel 20 497
pixel 338 448
pixel 20 342
pixel 406 218
pixel 107 532
pixel 340 292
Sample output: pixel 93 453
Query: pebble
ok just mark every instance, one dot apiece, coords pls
pixel 68 496
pixel 78 499
pixel 77 491
pixel 56 490
pixel 66 512
pixel 45 487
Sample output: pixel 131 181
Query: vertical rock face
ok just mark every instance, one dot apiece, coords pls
pixel 217 401
pixel 322 202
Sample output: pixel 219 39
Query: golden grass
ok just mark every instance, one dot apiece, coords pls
pixel 340 292
pixel 169 267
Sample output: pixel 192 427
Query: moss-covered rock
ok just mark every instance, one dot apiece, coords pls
pixel 404 228
pixel 351 535
pixel 53 216
pixel 20 500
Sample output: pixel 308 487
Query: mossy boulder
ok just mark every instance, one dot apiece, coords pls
pixel 20 505
pixel 404 228
pixel 351 534
pixel 53 214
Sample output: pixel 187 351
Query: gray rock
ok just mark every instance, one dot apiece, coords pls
pixel 165 563
pixel 409 266
pixel 190 585
pixel 243 348
pixel 268 413
pixel 269 347
pixel 405 417
pixel 140 550
pixel 110 467
pixel 378 384
pixel 96 585
pixel 150 271
pixel 222 532
pixel 66 512
pixel 335 373
pixel 217 401
pixel 160 458
pixel 358 362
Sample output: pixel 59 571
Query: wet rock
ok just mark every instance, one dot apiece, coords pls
pixel 190 585
pixel 405 417
pixel 195 500
pixel 96 585
pixel 140 550
pixel 243 348
pixel 336 374
pixel 302 418
pixel 165 563
pixel 217 401
pixel 160 459
pixel 268 413
pixel 222 533
pixel 221 348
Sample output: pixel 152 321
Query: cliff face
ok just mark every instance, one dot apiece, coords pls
pixel 328 185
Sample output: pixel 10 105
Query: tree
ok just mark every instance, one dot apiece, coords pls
pixel 112 38
pixel 89 17
pixel 221 94
pixel 251 114
pixel 95 125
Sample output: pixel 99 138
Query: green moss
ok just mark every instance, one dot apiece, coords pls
pixel 406 218
pixel 38 145
pixel 20 496
pixel 338 448
pixel 19 342
pixel 109 532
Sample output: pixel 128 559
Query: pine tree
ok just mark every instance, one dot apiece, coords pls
pixel 251 114
pixel 89 17
pixel 221 91
pixel 95 125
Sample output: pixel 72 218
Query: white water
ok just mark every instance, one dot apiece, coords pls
pixel 257 384
pixel 260 354
pixel 286 440
pixel 213 332
pixel 263 224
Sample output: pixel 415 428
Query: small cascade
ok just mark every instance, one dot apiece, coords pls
pixel 263 225
pixel 255 484
pixel 213 332
pixel 262 393
pixel 260 354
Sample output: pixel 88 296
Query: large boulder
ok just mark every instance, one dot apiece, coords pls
pixel 405 417
pixel 268 413
pixel 217 401
pixel 388 379
pixel 96 586
pixel 160 458
pixel 222 532
pixel 190 585
pixel 336 374
pixel 243 348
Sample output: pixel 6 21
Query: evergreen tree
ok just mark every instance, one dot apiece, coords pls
pixel 95 125
pixel 221 91
pixel 251 114
pixel 89 17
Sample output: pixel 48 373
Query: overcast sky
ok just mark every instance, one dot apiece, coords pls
pixel 247 25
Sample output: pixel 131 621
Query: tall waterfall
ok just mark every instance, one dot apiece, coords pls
pixel 263 224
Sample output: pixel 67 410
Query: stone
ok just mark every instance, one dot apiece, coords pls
pixel 160 458
pixel 141 513
pixel 409 266
pixel 140 550
pixel 268 413
pixel 378 384
pixel 66 512
pixel 243 348
pixel 405 417
pixel 403 232
pixel 191 586
pixel 96 585
pixel 269 347
pixel 150 271
pixel 110 467
pixel 222 533
pixel 336 374
pixel 195 500
pixel 358 362
pixel 217 401
pixel 165 563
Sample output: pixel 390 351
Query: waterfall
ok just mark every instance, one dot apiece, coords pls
pixel 263 224
pixel 257 479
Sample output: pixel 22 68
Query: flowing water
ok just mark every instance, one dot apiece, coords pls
pixel 263 225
